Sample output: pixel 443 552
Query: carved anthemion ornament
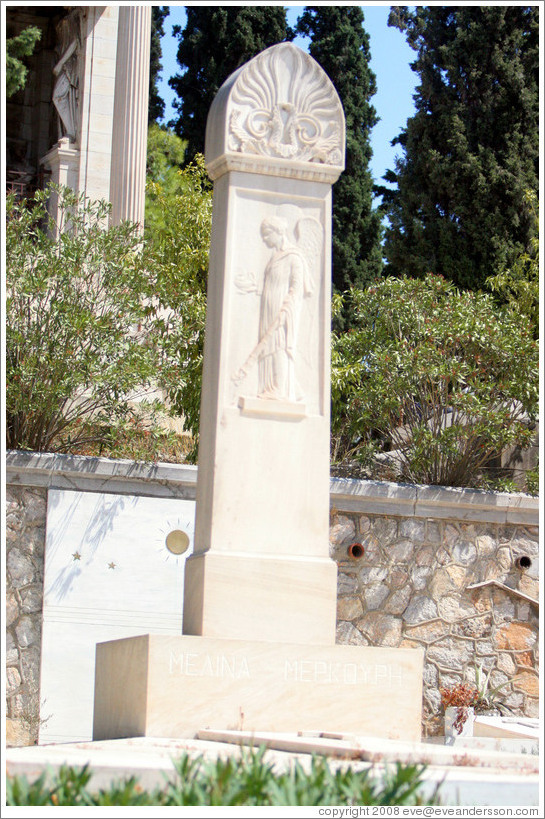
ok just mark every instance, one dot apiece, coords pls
pixel 283 105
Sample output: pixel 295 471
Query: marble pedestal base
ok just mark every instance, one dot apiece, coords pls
pixel 249 597
pixel 63 163
pixel 163 686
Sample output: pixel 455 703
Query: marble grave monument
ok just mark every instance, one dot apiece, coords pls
pixel 258 650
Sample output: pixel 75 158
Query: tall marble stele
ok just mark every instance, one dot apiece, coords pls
pixel 261 568
pixel 258 650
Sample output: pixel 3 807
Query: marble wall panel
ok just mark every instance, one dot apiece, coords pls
pixel 108 574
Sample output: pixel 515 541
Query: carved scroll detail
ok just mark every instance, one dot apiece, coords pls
pixel 284 105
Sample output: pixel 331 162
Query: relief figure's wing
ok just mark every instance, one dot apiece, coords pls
pixel 310 235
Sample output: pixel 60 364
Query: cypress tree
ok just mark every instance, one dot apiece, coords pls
pixel 341 45
pixel 156 106
pixel 471 150
pixel 215 42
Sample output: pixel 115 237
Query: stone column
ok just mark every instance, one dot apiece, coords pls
pixel 261 567
pixel 130 124
pixel 97 86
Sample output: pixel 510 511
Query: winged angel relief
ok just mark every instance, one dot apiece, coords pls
pixel 287 281
pixel 286 111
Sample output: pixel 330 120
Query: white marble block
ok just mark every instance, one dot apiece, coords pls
pixel 162 686
pixel 109 573
pixel 261 567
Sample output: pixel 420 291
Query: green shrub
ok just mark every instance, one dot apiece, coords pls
pixel 79 340
pixel 532 480
pixel 518 285
pixel 249 780
pixel 105 330
pixel 178 225
pixel 434 380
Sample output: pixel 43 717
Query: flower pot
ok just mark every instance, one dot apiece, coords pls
pixel 458 725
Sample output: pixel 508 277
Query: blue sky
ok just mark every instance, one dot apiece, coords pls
pixel 390 58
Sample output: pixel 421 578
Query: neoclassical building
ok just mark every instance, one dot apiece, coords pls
pixel 81 119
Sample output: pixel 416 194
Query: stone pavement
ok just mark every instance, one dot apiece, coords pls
pixel 468 776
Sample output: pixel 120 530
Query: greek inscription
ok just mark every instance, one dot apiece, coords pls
pixel 350 674
pixel 320 671
pixel 205 665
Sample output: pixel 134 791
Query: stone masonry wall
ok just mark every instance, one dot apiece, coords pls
pixel 25 539
pixel 410 586
pixel 466 591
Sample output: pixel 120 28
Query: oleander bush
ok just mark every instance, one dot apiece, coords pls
pixel 104 328
pixel 79 340
pixel 250 780
pixel 177 241
pixel 432 383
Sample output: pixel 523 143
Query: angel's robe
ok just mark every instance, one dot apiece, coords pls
pixel 285 283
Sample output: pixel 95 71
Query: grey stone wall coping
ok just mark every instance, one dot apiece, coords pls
pixel 165 480
pixel 439 502
pixel 81 473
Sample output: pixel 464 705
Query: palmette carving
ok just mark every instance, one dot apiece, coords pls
pixel 284 106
